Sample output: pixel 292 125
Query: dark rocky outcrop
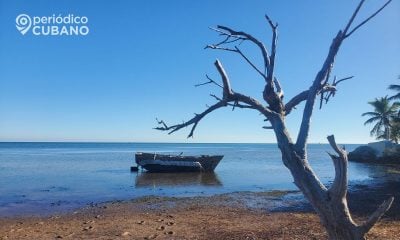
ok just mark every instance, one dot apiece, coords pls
pixel 367 154
pixel 363 154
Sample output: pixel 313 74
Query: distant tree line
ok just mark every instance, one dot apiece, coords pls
pixel 386 116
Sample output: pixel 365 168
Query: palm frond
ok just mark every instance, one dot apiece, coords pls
pixel 394 97
pixel 394 87
pixel 377 129
pixel 372 114
pixel 372 120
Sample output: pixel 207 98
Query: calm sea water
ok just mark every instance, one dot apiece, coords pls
pixel 48 177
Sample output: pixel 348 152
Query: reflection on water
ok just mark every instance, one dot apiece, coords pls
pixel 381 173
pixel 37 176
pixel 147 179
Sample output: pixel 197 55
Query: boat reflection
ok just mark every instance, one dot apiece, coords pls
pixel 147 179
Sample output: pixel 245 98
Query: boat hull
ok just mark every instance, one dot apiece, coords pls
pixel 172 163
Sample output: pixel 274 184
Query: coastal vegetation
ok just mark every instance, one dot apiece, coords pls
pixel 330 203
pixel 395 87
pixel 385 116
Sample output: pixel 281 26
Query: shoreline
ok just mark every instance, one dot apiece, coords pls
pixel 369 192
pixel 274 199
pixel 239 215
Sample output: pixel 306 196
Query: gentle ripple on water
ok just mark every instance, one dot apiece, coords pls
pixel 47 177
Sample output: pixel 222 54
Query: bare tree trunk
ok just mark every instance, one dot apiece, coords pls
pixel 329 203
pixel 337 224
pixel 387 132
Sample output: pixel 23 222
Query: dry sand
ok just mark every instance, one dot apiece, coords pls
pixel 227 216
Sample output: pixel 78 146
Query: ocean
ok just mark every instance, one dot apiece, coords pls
pixel 40 178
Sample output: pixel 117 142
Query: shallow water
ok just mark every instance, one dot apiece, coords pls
pixel 51 177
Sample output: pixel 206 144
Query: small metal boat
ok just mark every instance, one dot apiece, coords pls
pixel 154 162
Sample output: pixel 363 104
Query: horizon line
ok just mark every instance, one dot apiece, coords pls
pixel 159 142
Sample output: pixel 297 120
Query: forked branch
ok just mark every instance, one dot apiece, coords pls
pixel 233 36
pixel 326 95
pixel 349 32
pixel 375 216
pixel 339 186
pixel 273 92
pixel 229 98
pixel 327 91
pixel 210 81
pixel 338 190
pixel 270 69
pixel 324 73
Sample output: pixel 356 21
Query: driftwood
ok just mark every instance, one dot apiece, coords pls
pixel 329 203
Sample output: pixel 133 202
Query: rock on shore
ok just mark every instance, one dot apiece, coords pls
pixel 367 154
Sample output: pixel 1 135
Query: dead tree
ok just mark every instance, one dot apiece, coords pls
pixel 329 203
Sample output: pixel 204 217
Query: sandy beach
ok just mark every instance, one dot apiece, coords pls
pixel 241 215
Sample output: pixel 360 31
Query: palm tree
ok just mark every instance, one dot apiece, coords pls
pixel 396 88
pixel 394 131
pixel 383 114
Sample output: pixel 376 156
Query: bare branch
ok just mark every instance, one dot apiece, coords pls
pixel 237 104
pixel 230 98
pixel 340 151
pixel 227 40
pixel 278 87
pixel 366 20
pixel 194 121
pixel 210 80
pixel 339 186
pixel 215 96
pixel 225 31
pixel 334 84
pixel 273 26
pixel 254 103
pixel 236 97
pixel 268 127
pixel 353 17
pixel 162 123
pixel 274 99
pixel 296 100
pixel 271 66
pixel 204 83
pixel 314 90
pixel 225 80
pixel 220 48
pixel 321 101
pixel 251 64
pixel 323 75
pixel 234 105
pixel 382 209
pixel 330 89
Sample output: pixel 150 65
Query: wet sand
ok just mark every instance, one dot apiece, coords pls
pixel 242 215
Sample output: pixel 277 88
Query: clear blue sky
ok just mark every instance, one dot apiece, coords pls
pixel 142 58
